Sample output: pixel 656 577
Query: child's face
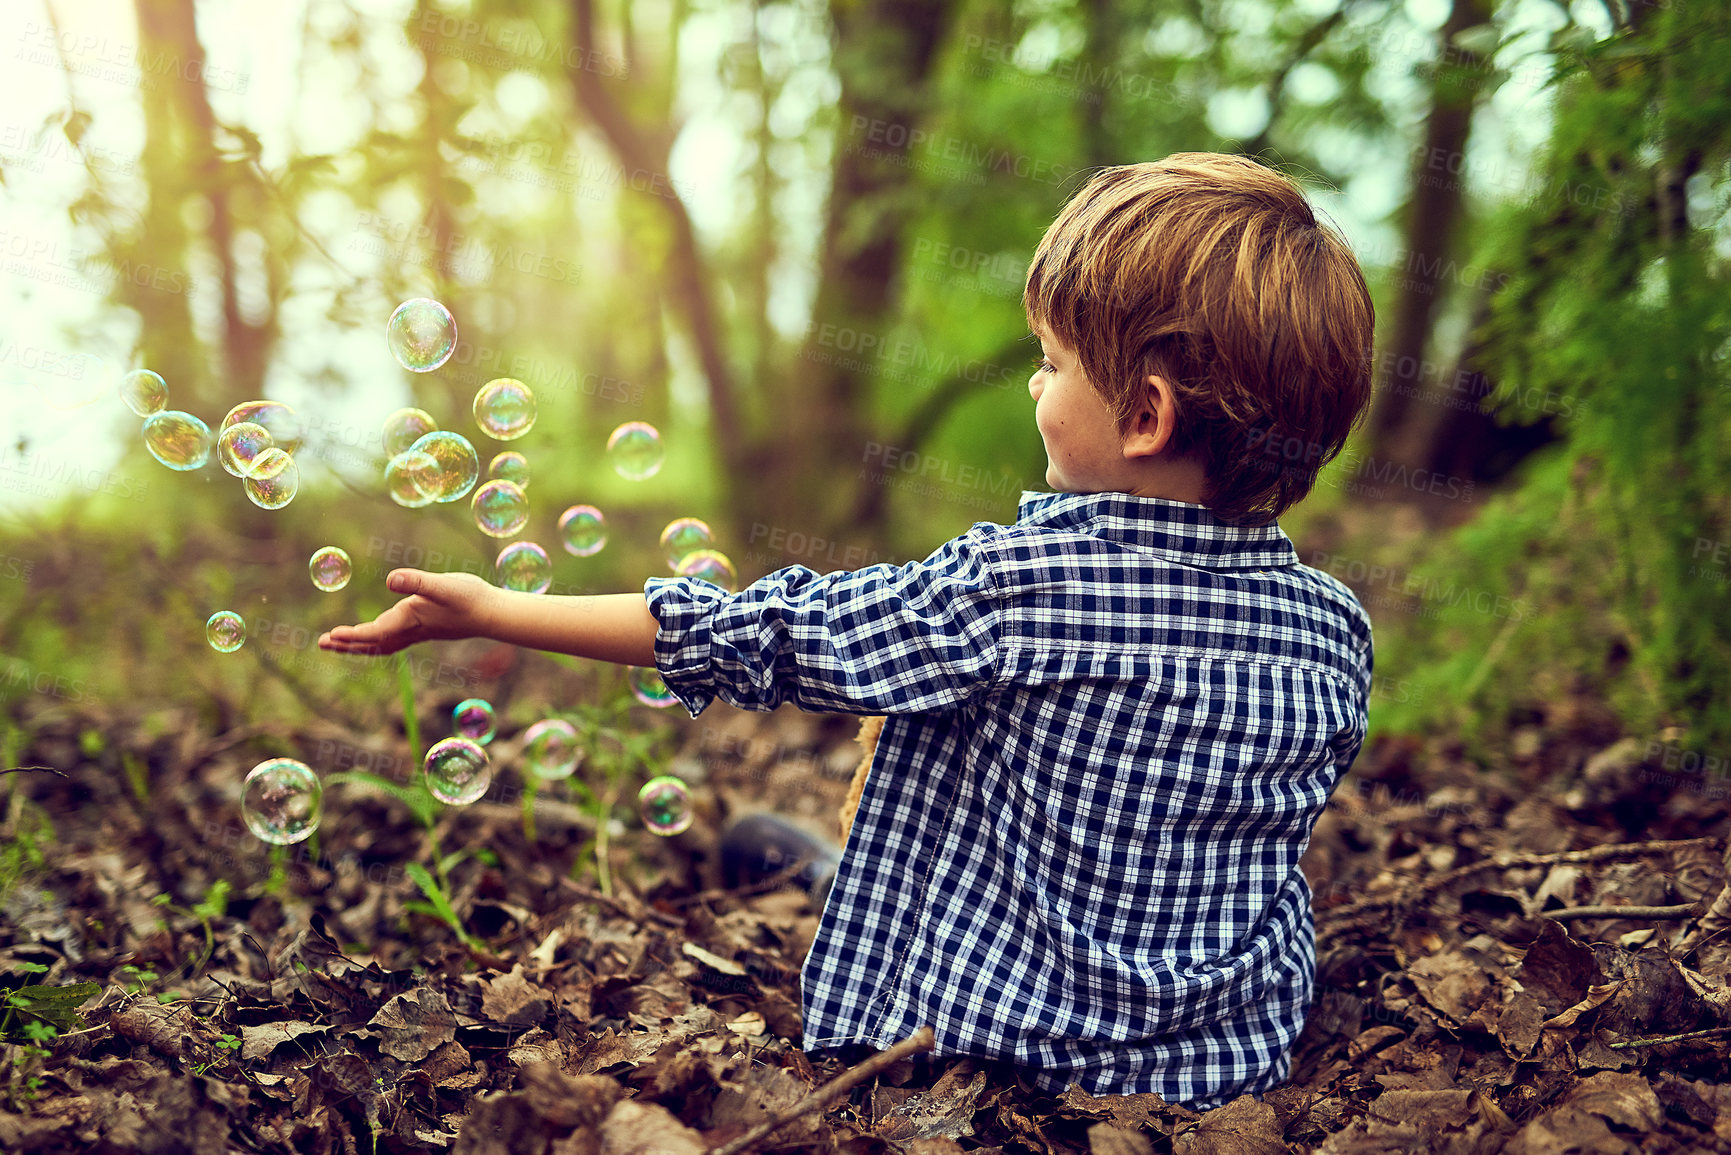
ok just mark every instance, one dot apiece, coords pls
pixel 1084 450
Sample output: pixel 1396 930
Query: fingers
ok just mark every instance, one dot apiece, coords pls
pixel 367 638
pixel 408 581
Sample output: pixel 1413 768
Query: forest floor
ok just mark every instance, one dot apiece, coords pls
pixel 1469 998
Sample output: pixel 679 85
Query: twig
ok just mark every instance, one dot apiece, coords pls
pixel 1681 910
pixel 616 906
pixel 1670 1038
pixel 920 1040
pixel 24 769
pixel 1510 862
pixel 774 882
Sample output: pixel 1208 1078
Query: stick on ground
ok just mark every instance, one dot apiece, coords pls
pixel 920 1040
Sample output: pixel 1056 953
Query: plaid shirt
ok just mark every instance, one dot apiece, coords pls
pixel 1112 726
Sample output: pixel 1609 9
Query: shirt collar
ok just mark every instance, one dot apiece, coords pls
pixel 1188 534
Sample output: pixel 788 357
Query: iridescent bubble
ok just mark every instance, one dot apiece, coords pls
pixel 281 422
pixel 501 509
pixel 422 334
pixel 456 465
pixel 330 569
pixel 525 567
pixel 635 451
pixel 144 392
pixel 405 427
pixel 505 408
pixel 404 475
pixel 665 804
pixel 473 719
pixel 458 771
pixel 178 440
pixel 274 480
pixel 709 565
pixel 281 801
pixel 239 445
pixel 225 631
pixel 583 530
pixel 685 535
pixel 550 749
pixel 648 688
pixel 510 466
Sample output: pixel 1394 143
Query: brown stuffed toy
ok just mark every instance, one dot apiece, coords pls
pixel 869 729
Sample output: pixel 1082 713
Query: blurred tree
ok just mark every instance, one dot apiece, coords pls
pixel 1616 323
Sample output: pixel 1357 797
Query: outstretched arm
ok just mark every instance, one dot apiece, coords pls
pixel 607 627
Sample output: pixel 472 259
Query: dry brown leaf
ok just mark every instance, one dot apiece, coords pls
pixel 514 1001
pixel 1452 982
pixel 636 1128
pixel 259 1041
pixel 1244 1126
pixel 415 1024
pixel 1110 1139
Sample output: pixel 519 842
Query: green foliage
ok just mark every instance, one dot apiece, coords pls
pixel 438 905
pixel 1617 315
pixel 39 1013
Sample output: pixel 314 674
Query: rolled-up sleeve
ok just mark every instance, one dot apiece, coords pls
pixel 881 640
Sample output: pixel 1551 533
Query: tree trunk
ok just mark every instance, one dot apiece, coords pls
pixel 181 160
pixel 1400 426
pixel 810 460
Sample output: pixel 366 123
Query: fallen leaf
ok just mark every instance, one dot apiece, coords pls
pixel 1245 1126
pixel 635 1128
pixel 259 1041
pixel 415 1024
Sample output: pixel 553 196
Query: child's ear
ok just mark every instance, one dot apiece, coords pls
pixel 1154 422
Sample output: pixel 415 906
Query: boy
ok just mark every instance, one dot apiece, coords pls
pixel 1111 725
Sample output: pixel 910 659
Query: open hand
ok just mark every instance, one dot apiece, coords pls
pixel 438 606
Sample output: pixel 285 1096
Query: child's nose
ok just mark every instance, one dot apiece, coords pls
pixel 1034 385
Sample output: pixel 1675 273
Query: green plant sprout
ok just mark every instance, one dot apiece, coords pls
pixel 35 1016
pixel 137 978
pixel 207 910
pixel 137 775
pixel 438 905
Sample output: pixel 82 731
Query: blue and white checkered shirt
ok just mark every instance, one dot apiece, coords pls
pixel 1112 726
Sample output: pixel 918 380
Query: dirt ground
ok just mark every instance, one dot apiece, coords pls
pixel 1472 997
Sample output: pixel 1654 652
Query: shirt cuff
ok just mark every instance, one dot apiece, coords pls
pixel 683 608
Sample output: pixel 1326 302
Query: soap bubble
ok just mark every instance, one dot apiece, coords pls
pixel 281 800
pixel 685 535
pixel 404 475
pixel 583 529
pixel 456 465
pixel 225 631
pixel 550 749
pixel 665 804
pixel 709 565
pixel 458 771
pixel 274 480
pixel 178 440
pixel 648 688
pixel 635 451
pixel 144 392
pixel 405 427
pixel 239 445
pixel 330 568
pixel 504 408
pixel 510 466
pixel 524 566
pixel 501 509
pixel 422 334
pixel 281 422
pixel 473 719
